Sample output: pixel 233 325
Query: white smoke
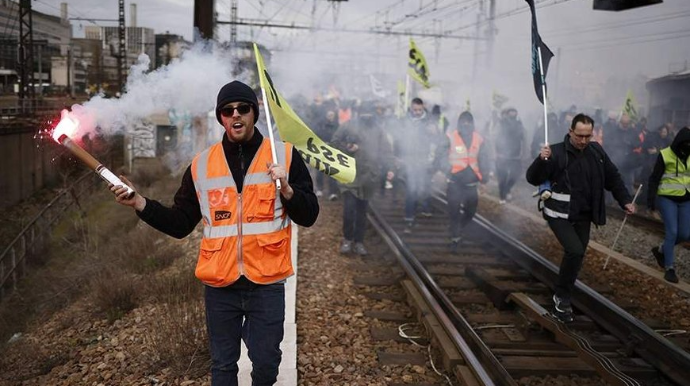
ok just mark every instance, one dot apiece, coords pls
pixel 188 84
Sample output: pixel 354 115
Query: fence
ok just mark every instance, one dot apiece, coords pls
pixel 33 237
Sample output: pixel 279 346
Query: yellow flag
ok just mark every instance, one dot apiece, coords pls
pixel 315 152
pixel 417 67
pixel 400 106
pixel 629 106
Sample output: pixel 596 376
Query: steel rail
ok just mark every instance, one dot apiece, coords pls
pixel 639 338
pixel 479 358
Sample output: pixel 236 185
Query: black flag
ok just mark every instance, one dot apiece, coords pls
pixel 546 55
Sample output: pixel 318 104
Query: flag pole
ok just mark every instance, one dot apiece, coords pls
pixel 407 94
pixel 274 157
pixel 543 94
pixel 621 228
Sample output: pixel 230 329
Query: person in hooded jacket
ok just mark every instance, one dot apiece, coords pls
pixel 668 190
pixel 245 253
pixel 324 129
pixel 364 139
pixel 465 159
pixel 509 142
pixel 579 171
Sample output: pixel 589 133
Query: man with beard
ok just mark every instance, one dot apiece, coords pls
pixel 465 160
pixel 245 253
pixel 579 171
pixel 509 141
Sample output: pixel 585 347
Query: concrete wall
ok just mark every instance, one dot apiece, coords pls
pixel 25 167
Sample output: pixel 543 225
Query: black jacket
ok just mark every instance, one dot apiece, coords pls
pixel 509 139
pixel 603 175
pixel 181 219
pixel 683 137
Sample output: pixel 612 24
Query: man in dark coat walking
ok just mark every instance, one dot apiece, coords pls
pixel 579 171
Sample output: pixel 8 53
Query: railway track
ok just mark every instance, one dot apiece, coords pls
pixel 492 303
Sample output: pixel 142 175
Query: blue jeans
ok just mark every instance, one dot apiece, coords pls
pixel 417 190
pixel 676 216
pixel 354 217
pixel 255 315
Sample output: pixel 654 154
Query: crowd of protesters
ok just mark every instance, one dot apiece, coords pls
pixel 400 154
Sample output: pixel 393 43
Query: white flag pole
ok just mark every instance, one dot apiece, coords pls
pixel 621 228
pixel 407 93
pixel 543 93
pixel 274 157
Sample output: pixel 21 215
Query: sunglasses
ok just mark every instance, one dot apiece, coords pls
pixel 229 111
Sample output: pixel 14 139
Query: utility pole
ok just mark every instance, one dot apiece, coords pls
pixel 475 59
pixel 25 62
pixel 492 35
pixel 122 44
pixel 233 27
pixel 204 19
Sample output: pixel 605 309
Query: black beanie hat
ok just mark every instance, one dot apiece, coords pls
pixel 236 91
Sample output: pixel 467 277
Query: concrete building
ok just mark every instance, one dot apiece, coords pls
pixel 100 67
pixel 169 47
pixel 68 73
pixel 51 35
pixel 669 100
pixel 138 40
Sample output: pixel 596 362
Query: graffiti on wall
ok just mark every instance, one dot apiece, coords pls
pixel 144 140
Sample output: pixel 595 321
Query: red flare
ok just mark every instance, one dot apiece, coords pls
pixel 67 126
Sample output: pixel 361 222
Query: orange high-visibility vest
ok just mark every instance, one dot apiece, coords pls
pixel 638 150
pixel 460 157
pixel 245 233
pixel 344 115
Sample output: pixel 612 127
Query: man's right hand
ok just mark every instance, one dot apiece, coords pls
pixel 137 201
pixel 545 152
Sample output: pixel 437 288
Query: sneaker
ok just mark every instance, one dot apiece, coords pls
pixel 659 255
pixel 562 305
pixel 408 227
pixel 502 202
pixel 454 246
pixel 333 197
pixel 564 317
pixel 670 276
pixel 346 247
pixel 563 309
pixel 360 250
pixel 319 193
pixel 426 214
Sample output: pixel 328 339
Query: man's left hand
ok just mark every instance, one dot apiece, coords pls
pixel 277 172
pixel 629 208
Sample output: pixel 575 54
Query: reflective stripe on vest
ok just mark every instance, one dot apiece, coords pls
pixel 676 178
pixel 244 234
pixel 460 157
pixel 557 206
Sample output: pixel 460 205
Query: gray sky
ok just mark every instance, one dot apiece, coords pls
pixel 592 47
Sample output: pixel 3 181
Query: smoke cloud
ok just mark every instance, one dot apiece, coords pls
pixel 188 84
